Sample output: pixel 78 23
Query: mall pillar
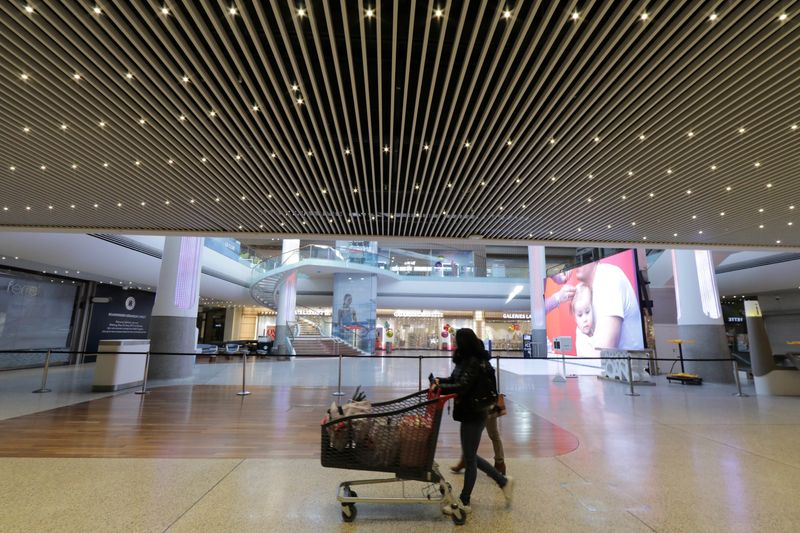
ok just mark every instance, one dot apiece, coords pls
pixel 287 298
pixel 537 271
pixel 700 315
pixel 173 324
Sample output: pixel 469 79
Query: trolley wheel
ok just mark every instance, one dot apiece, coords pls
pixel 349 512
pixel 442 489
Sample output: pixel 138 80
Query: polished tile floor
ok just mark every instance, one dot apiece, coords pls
pixel 676 458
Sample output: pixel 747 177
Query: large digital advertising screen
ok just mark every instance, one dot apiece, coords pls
pixel 595 306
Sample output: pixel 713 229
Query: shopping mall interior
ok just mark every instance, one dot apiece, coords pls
pixel 224 224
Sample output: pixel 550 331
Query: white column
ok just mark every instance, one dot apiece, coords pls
pixel 537 269
pixel 287 297
pixel 173 325
pixel 700 314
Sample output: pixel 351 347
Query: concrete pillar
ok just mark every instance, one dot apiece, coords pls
pixel 287 298
pixel 700 314
pixel 537 271
pixel 173 325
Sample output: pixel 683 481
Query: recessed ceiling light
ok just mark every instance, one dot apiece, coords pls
pixel 119 204
pixel 273 155
pixel 191 201
pixel 761 226
pixel 76 77
pixel 143 204
pixel 129 75
pixel 507 14
pixel 669 171
pixel 137 163
pixel 624 197
pixel 575 15
pixel 142 121
pixel 26 129
pixel 72 206
pixel 301 12
pixel 244 198
pixel 722 213
pixel 170 161
pixel 630 173
pixel 233 11
pixel 369 12
pixel 690 134
pixel 781 17
pixel 63 126
pixel 741 130
pixel 105 165
pixel 712 17
pixel 237 157
pixel 43 167
pixel 182 118
pixel 438 13
pixel 466 144
pixel 644 16
pixel 12 168
pixel 425 147
pixel 777 242
pixel 216 199
pixel 769 185
pixel 385 149
pixel 300 101
pixel 589 200
pixel 642 137
pixel 728 188
pixel 165 10
pixel 96 10
pixel 96 206
pixel 309 153
pixel 212 113
pixel 700 232
pixel 713 167
pixel 689 191
pixel 74 166
pixel 597 139
pixel 29 9
pixel 652 195
pixel 355 189
pixel 633 223
pixel 203 159
pixel 347 151
pixel 509 142
pixel 791 207
pixel 24 77
pixel 761 210
pixel 790 223
pixel 694 217
pixel 674 234
pixel 757 164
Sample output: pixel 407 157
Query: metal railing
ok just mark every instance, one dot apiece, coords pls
pixel 419 358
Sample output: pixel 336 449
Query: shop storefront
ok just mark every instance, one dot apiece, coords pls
pixel 422 329
pixel 505 330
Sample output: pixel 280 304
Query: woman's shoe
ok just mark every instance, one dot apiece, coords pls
pixel 458 468
pixel 500 466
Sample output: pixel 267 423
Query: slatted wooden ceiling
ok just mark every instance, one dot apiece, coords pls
pixel 562 121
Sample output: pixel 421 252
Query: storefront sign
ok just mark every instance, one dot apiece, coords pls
pixel 517 316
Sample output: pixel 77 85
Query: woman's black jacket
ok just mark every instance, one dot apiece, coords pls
pixel 462 382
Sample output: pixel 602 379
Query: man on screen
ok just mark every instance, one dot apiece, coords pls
pixel 617 317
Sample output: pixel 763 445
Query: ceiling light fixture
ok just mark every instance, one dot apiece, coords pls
pixel 96 10
pixel 29 9
pixel 507 14
pixel 233 11
pixel 438 13
pixel 369 12
pixel 644 16
pixel 24 77
pixel 781 17
pixel 165 11
pixel 712 17
pixel 301 12
pixel 575 15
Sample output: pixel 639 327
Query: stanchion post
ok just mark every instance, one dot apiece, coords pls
pixel 339 386
pixel 44 388
pixel 144 378
pixel 738 392
pixel 498 373
pixel 244 391
pixel 630 379
pixel 419 368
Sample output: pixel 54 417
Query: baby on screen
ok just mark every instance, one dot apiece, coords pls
pixel 583 312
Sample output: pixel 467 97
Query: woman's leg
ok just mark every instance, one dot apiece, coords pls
pixel 494 434
pixel 470 439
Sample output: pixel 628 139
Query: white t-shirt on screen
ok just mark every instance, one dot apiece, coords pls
pixel 613 295
pixel 583 345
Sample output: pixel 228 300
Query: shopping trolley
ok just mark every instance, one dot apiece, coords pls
pixel 398 436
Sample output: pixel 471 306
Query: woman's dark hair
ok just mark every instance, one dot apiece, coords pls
pixel 469 345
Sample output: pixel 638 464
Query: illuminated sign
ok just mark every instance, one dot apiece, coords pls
pixel 417 313
pixel 517 316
